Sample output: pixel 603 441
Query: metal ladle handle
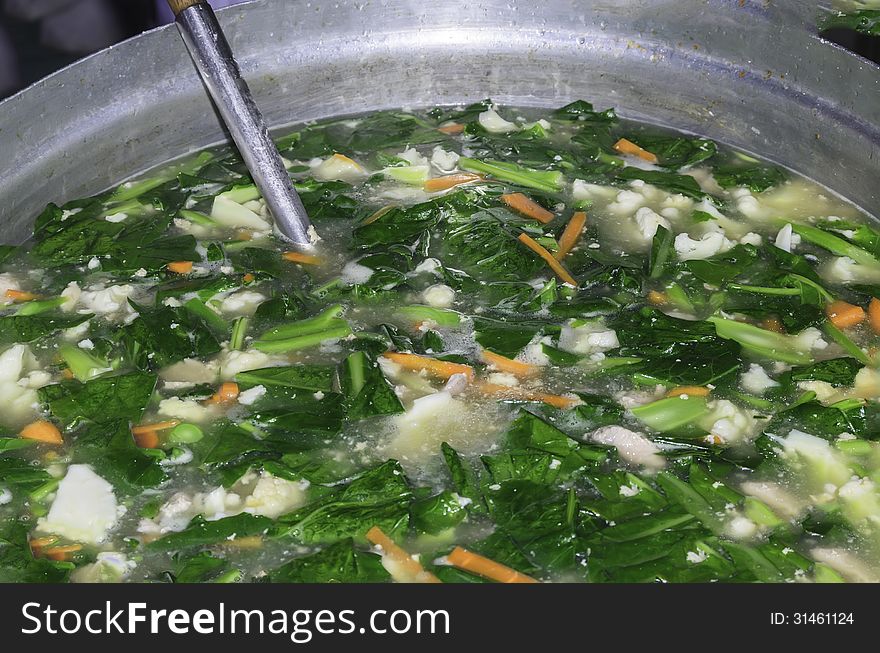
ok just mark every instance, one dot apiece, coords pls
pixel 216 64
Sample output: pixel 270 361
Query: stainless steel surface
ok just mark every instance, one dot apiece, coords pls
pixel 751 74
pixel 216 64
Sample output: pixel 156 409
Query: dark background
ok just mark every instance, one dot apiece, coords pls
pixel 42 36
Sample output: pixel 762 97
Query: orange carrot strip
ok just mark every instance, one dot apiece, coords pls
pixel 21 295
pixel 147 440
pixel 555 265
pixel 451 128
pixel 42 431
pixel 243 235
pixel 482 566
pixel 226 393
pixel 657 298
pixel 413 570
pixel 434 367
pixel 571 235
pixel 843 314
pixel 180 267
pixel 874 314
pixel 62 553
pixel 42 542
pixel 450 181
pixel 528 207
pixel 378 214
pixel 628 147
pixel 248 278
pixel 689 390
pixel 158 426
pixel 299 257
pixel 505 364
pixel 508 392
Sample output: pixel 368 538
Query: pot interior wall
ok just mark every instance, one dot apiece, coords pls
pixel 749 74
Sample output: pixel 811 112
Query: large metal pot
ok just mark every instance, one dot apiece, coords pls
pixel 750 73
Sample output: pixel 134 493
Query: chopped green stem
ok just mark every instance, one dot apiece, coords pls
pixel 201 310
pixel 320 322
pixel 847 344
pixel 196 217
pixel 836 245
pixel 671 413
pixel 242 194
pixel 766 343
pixel 82 364
pixel 279 346
pixel 239 331
pixel 546 180
pixel 41 306
pixel 420 313
pixel 354 370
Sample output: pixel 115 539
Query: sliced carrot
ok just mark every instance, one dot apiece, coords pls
pixel 689 390
pixel 451 128
pixel 62 553
pixel 248 278
pixel 226 393
pixel 378 214
pixel 571 235
pixel 180 267
pixel 773 324
pixel 158 426
pixel 528 207
pixel 147 440
pixel 39 543
pixel 42 431
pixel 411 569
pixel 555 265
pixel 874 314
pixel 657 298
pixel 303 259
pixel 67 374
pixel 21 295
pixel 844 315
pixel 450 181
pixel 482 566
pixel 625 146
pixel 440 369
pixel 244 235
pixel 504 364
pixel 522 394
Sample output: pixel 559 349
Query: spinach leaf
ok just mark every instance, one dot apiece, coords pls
pixel 204 533
pixel 721 268
pixel 864 21
pixel 668 181
pixel 27 328
pixel 200 568
pixel 676 152
pixel 756 178
pixel 102 400
pixel 337 563
pixel 17 562
pixel 163 336
pixel 327 200
pixel 111 449
pixel 840 372
pixel 503 337
pixel 317 378
pixel 368 392
pixel 18 473
pixel 438 513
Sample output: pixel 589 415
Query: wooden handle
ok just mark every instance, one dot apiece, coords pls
pixel 179 5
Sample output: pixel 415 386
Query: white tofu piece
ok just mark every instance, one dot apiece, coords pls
pixel 780 501
pixel 846 564
pixel 708 245
pixel 756 380
pixel 811 339
pixel 273 496
pixel 235 362
pixel 191 370
pixel 627 202
pixel 243 302
pixel 109 567
pixel 495 124
pixel 752 238
pixel 84 509
pixel 353 274
pixel 631 446
pixel 729 422
pixel 251 396
pixel 587 339
pixel 648 222
pixel 340 168
pixel 413 157
pixel 186 410
pixel 741 528
pixel 582 190
pixel 439 296
pixel 17 397
pixel 71 294
pixel 786 239
pixel 110 302
pixel 444 160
